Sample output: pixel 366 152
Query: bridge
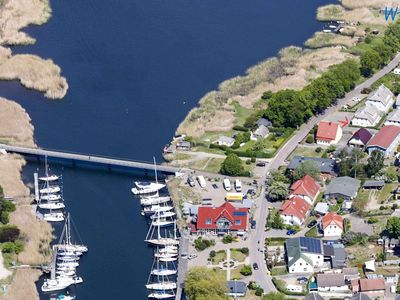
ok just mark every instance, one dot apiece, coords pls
pixel 76 158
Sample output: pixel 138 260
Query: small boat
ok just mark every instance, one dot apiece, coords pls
pixel 70 264
pixel 50 197
pixel 60 283
pixel 143 188
pixel 71 247
pixel 66 269
pixel 69 253
pixel 163 214
pixel 168 249
pixel 165 255
pixel 68 258
pixel 156 209
pixel 168 259
pixel 161 286
pixel 332 26
pixel 49 178
pixel 62 273
pixel 65 297
pixel 154 200
pixel 163 272
pixel 54 217
pixel 162 222
pixel 161 295
pixel 327 30
pixel 50 190
pixel 52 205
pixel 163 241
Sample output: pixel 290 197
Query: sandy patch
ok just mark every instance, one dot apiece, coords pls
pixel 17 14
pixel 23 285
pixel 367 3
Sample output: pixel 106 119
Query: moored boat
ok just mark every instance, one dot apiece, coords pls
pixel 143 188
pixel 161 286
pixel 52 205
pixel 161 295
pixel 54 217
pixel 61 283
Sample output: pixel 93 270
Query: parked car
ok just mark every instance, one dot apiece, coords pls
pixel 191 256
pixel 302 280
pixel 255 266
pixel 190 181
pixel 291 232
pixel 260 164
pixel 312 223
pixel 253 224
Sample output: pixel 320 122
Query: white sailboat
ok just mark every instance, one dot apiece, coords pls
pixel 154 200
pixel 154 209
pixel 49 178
pixel 163 272
pixel 61 283
pixel 54 217
pixel 51 197
pixel 162 222
pixel 50 190
pixel 52 205
pixel 161 286
pixel 163 214
pixel 143 188
pixel 168 259
pixel 158 240
pixel 165 255
pixel 67 245
pixel 161 295
pixel 73 264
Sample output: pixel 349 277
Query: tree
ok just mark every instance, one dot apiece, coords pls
pixel 278 190
pixel 375 163
pixel 274 296
pixel 393 227
pixel 246 270
pixel 370 61
pixel 308 167
pixel 391 174
pixel 205 284
pixel 232 165
pixel 277 222
pixel 277 175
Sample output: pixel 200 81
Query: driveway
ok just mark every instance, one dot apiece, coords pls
pixel 360 225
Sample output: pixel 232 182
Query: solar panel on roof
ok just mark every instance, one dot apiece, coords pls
pixel 239 213
pixel 310 245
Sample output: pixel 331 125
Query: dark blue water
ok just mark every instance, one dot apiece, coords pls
pixel 130 65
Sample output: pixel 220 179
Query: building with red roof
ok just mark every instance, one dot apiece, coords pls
pixel 306 188
pixel 332 224
pixel 328 133
pixel 386 140
pixel 374 287
pixel 360 138
pixel 294 211
pixel 222 219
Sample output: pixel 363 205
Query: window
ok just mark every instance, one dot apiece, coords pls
pixel 208 221
pixel 238 222
pixel 292 269
pixel 301 264
pixel 305 269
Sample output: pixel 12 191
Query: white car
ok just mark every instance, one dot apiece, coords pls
pixel 191 256
pixel 356 99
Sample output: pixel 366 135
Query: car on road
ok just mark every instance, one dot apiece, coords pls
pixel 255 266
pixel 214 186
pixel 312 223
pixel 291 232
pixel 253 224
pixel 190 181
pixel 302 280
pixel 191 256
pixel 260 164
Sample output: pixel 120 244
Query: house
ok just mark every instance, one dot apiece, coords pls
pixel 306 188
pixel 373 184
pixel 313 296
pixel 386 140
pixel 326 166
pixel 342 187
pixel 331 282
pixel 393 118
pixel 328 133
pixel 321 208
pixel 183 145
pixel 304 254
pixel 360 296
pixel 335 253
pixel 260 133
pixel 225 141
pixel 263 121
pixel 382 98
pixel 332 224
pixel 236 288
pixel 222 219
pixel 351 273
pixel 360 138
pixel 367 116
pixel 397 104
pixel 370 287
pixel 294 211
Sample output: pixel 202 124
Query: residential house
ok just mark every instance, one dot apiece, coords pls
pixel 371 287
pixel 342 187
pixel 264 121
pixel 335 253
pixel 331 282
pixel 306 188
pixel 393 118
pixel 294 211
pixel 236 288
pixel 360 138
pixel 367 116
pixel 360 296
pixel 386 140
pixel 183 145
pixel 304 254
pixel 350 273
pixel 397 104
pixel 225 141
pixel 313 296
pixel 260 133
pixel 373 184
pixel 332 225
pixel 328 133
pixel 382 98
pixel 326 166
pixel 222 219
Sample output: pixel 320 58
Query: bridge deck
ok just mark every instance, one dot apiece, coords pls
pixel 90 158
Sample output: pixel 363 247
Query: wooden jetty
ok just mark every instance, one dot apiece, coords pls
pixel 75 158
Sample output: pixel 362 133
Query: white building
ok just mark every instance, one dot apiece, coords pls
pixel 367 116
pixel 331 282
pixel 304 254
pixel 332 225
pixel 260 133
pixel 328 133
pixel 225 141
pixel 393 118
pixel 382 98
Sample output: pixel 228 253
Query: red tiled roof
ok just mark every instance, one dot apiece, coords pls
pixel 385 137
pixel 296 206
pixel 327 131
pixel 306 186
pixel 330 218
pixel 375 284
pixel 227 211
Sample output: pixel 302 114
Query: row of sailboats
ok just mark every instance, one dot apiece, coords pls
pixel 160 212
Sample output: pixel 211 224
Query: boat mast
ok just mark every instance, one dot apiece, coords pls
pixel 155 168
pixel 68 233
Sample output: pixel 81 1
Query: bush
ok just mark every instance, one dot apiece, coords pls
pixel 372 220
pixel 239 128
pixel 246 270
pixel 200 244
pixel 252 285
pixel 227 239
pixel 4 217
pixel 245 250
pixel 353 238
pixel 318 149
pixel 212 253
pixel 7 247
pixel 18 246
pixel 232 166
pixel 9 233
pixel 310 139
pixel 253 159
pixel 259 291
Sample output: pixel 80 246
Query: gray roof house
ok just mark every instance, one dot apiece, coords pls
pixel 367 116
pixel 360 296
pixel 263 121
pixel 313 296
pixel 382 98
pixel 300 247
pixel 236 288
pixel 261 132
pixel 393 118
pixel 325 165
pixel 342 187
pixel 398 101
pixel 225 141
pixel 330 280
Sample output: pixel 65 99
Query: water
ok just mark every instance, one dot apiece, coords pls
pixel 131 65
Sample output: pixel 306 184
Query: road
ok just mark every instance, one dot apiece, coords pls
pixel 260 215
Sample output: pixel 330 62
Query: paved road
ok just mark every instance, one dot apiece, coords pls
pixel 262 205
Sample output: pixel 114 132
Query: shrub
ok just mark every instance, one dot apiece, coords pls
pixel 372 220
pixel 212 253
pixel 9 233
pixel 7 247
pixel 239 128
pixel 253 159
pixel 252 285
pixel 18 246
pixel 259 291
pixel 246 270
pixel 227 239
pixel 310 139
pixel 245 250
pixel 4 217
pixel 248 162
pixel 200 244
pixel 318 149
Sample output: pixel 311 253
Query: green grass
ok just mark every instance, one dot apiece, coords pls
pixel 182 156
pixel 360 48
pixel 386 192
pixel 235 273
pixel 238 255
pixel 220 256
pixel 305 151
pixel 276 271
pixel 313 232
pixel 214 165
pixel 275 241
pixel 241 113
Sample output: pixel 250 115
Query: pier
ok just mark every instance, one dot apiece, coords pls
pixel 86 159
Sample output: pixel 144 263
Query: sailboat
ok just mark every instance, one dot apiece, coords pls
pixel 143 188
pixel 154 200
pixel 159 240
pixel 161 286
pixel 162 222
pixel 154 209
pixel 60 283
pixel 54 217
pixel 67 245
pixel 163 214
pixel 50 195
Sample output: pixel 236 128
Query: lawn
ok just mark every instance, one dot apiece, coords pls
pixel 276 271
pixel 390 80
pixel 305 151
pixel 219 257
pixel 386 192
pixel 238 255
pixel 235 273
pixel 313 232
pixel 182 156
pixel 241 113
